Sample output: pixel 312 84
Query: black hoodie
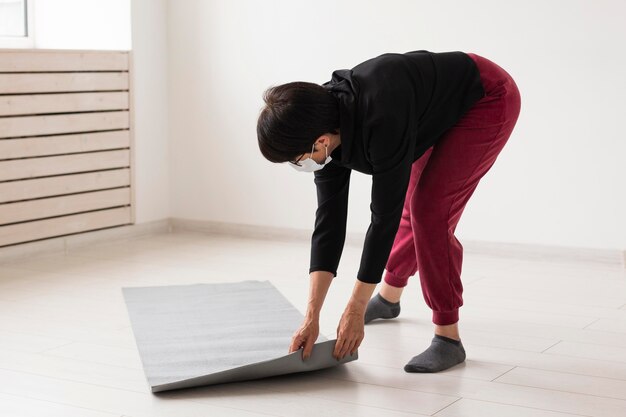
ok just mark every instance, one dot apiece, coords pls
pixel 392 109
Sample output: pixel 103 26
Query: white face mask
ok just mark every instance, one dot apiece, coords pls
pixel 309 164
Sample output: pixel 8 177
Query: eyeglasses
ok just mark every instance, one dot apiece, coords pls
pixel 297 162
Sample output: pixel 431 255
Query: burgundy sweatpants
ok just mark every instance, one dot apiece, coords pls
pixel 442 181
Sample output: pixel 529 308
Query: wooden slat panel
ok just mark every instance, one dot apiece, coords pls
pixel 62 82
pixel 66 184
pixel 64 123
pixel 57 206
pixel 62 103
pixel 55 145
pixel 65 144
pixel 59 226
pixel 29 60
pixel 63 164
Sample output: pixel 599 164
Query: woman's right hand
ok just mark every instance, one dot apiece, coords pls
pixel 305 337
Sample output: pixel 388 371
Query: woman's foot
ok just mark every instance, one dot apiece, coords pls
pixel 380 308
pixel 445 351
pixel 442 354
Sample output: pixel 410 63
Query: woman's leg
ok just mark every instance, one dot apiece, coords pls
pixel 402 261
pixel 460 158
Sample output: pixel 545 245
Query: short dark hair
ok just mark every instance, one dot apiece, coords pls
pixel 294 116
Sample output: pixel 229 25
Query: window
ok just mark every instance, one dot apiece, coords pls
pixel 16 24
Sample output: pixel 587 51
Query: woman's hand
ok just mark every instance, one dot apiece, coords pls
pixel 350 331
pixel 305 336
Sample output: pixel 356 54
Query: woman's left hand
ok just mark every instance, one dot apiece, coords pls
pixel 350 331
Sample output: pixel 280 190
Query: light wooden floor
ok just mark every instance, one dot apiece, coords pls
pixel 542 339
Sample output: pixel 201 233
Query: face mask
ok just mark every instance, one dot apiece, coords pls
pixel 309 164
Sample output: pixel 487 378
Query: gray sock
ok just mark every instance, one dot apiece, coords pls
pixel 443 353
pixel 379 308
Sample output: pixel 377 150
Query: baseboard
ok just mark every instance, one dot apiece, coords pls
pixel 254 231
pixel 62 244
pixel 241 230
pixel 548 253
pixel 608 257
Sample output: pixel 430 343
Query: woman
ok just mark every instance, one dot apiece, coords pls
pixel 426 126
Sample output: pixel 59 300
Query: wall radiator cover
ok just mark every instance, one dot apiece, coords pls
pixel 66 143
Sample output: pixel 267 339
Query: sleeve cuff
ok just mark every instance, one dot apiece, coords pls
pixel 319 268
pixel 368 280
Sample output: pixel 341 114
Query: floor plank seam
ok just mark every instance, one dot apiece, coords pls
pixel 54 347
pixel 551 346
pixel 591 323
pixel 454 402
pixel 504 373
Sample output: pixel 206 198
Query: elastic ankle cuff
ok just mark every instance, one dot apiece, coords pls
pixel 394 280
pixel 445 318
pixel 387 302
pixel 449 339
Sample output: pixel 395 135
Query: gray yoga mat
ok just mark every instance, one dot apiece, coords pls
pixel 204 334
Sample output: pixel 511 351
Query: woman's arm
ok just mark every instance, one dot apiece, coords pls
pixel 327 241
pixel 318 288
pixel 361 294
pixel 308 332
pixel 320 282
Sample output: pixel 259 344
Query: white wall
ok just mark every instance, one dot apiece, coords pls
pixel 559 181
pixel 152 158
pixel 82 24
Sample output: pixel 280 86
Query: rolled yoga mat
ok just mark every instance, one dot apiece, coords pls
pixel 205 334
